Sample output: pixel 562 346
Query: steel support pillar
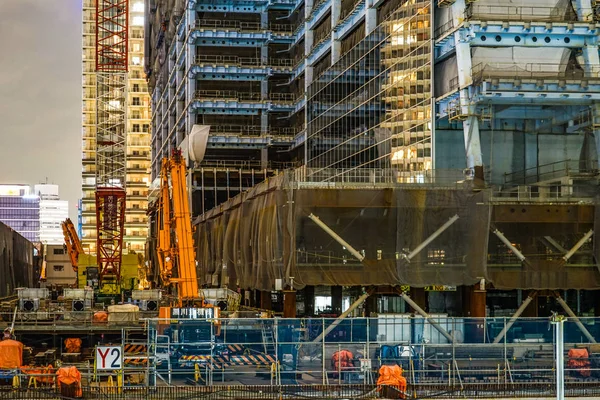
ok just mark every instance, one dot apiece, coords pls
pixel 309 301
pixel 336 299
pixel 289 304
pixel 514 318
pixel 476 313
pixel 577 321
pixel 265 300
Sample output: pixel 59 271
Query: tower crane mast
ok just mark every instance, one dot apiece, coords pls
pixel 112 26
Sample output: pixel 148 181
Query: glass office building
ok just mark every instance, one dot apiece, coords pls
pixel 370 113
pixel 22 213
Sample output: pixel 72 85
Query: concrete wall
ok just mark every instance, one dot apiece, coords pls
pixel 16 261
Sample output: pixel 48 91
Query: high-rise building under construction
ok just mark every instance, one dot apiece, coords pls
pixel 138 132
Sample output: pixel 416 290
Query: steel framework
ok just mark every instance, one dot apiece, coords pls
pixel 112 25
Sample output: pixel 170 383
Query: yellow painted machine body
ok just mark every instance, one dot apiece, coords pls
pixel 129 274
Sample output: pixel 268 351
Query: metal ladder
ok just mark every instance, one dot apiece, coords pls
pixel 268 339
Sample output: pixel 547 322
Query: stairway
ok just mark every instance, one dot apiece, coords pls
pixel 267 338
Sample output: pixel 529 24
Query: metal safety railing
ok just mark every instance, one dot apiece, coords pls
pixel 242 61
pixel 485 12
pixel 550 171
pixel 501 70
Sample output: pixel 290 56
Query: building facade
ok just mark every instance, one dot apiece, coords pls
pixel 53 212
pixel 138 132
pixel 20 210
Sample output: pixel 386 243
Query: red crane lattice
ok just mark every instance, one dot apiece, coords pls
pixel 112 25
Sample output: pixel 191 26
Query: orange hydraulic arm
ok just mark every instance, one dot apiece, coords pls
pixel 165 257
pixel 72 241
pixel 174 213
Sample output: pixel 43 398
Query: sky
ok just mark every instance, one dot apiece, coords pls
pixel 40 95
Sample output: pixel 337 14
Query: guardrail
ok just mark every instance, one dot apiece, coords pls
pixel 485 70
pixel 520 13
pixel 243 61
pixel 243 26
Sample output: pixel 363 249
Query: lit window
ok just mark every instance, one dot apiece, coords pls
pixel 138 21
pixel 135 60
pixel 138 7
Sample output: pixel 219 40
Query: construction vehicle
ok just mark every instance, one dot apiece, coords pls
pixel 176 254
pixel 87 269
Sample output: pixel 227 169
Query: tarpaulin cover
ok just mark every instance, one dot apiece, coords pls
pixel 266 234
pixel 11 354
pixel 579 360
pixel 100 317
pixel 69 376
pixel 41 374
pixel 73 345
pixel 391 375
pixel 123 313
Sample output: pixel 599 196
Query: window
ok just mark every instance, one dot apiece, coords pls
pixel 58 268
pixel 138 7
pixel 138 21
pixel 136 47
pixel 146 128
pixel 136 127
pixel 136 87
pixel 135 60
pixel 59 251
pixel 136 101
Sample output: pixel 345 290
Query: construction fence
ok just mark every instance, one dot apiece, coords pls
pixel 320 351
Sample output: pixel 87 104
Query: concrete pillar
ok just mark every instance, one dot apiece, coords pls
pixel 591 59
pixel 336 299
pixel 336 50
pixel 264 122
pixel 265 300
pixel 289 304
pixel 309 301
pixel 264 19
pixel 370 19
pixel 264 158
pixel 308 43
pixel 419 296
pixel 584 10
pixel 471 124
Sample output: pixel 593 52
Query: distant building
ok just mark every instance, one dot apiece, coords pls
pixel 20 209
pixel 52 212
pixel 35 213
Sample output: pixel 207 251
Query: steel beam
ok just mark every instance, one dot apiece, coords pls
pixel 335 323
pixel 337 237
pixel 577 321
pixel 424 314
pixel 514 318
pixel 578 245
pixel 508 244
pixel 431 238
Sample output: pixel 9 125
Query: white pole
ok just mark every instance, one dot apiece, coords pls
pixel 581 242
pixel 509 244
pixel 558 321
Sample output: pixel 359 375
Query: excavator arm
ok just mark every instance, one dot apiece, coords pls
pixel 175 250
pixel 163 250
pixel 74 247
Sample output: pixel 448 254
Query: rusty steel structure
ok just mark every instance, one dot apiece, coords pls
pixel 112 18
